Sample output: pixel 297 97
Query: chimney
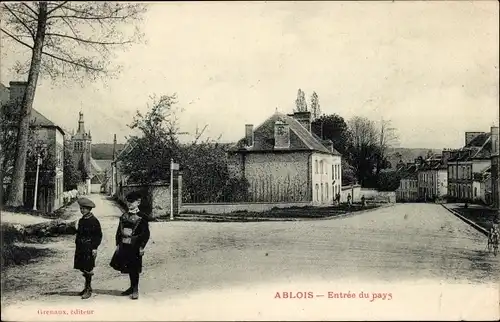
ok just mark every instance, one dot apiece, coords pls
pixel 469 136
pixel 281 135
pixel 249 135
pixel 17 90
pixel 494 141
pixel 445 156
pixel 304 118
pixel 328 144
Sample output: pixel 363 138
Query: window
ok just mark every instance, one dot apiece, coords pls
pixel 475 191
pixel 316 166
pixel 321 170
pixel 326 190
pixel 333 171
pixel 317 192
pixel 322 192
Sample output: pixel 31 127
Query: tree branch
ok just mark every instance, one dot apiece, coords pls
pixel 21 21
pixel 73 62
pixel 88 41
pixel 15 38
pixel 31 9
pixel 57 7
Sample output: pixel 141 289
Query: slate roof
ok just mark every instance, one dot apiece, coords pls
pixel 37 118
pixel 300 138
pixel 408 171
pixel 478 149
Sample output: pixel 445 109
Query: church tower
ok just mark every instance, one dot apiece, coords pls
pixel 82 144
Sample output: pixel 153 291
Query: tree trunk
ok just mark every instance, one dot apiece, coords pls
pixel 18 175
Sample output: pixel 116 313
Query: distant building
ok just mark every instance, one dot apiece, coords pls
pixel 408 186
pixel 467 163
pixel 283 161
pixel 50 193
pixel 433 178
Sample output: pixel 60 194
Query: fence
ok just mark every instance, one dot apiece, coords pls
pixel 260 190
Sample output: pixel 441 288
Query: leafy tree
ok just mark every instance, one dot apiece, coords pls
pixel 71 174
pixel 64 39
pixel 315 106
pixel 334 128
pixel 9 121
pixel 149 159
pixel 388 180
pixel 363 149
pixel 300 102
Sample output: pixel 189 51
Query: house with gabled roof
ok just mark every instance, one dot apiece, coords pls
pixel 473 158
pixel 284 161
pixel 408 185
pixel 50 193
pixel 433 177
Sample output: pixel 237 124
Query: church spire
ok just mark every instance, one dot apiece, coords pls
pixel 81 124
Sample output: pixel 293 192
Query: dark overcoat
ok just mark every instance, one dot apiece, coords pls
pixel 88 238
pixel 131 235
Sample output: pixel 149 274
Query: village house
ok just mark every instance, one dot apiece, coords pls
pixel 283 161
pixel 49 194
pixel 433 177
pixel 408 186
pixel 473 158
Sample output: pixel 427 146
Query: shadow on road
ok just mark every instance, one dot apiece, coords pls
pixel 75 293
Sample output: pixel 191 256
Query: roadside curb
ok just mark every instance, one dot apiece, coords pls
pixel 473 224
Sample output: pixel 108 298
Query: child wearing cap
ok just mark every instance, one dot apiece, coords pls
pixel 88 238
pixel 132 236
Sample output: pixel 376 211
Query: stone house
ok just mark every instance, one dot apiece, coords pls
pixel 283 161
pixel 473 158
pixel 50 194
pixel 408 186
pixel 481 186
pixel 433 178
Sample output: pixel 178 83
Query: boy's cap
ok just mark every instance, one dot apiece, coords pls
pixel 133 196
pixel 84 202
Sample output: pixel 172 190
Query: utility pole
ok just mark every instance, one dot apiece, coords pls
pixel 38 163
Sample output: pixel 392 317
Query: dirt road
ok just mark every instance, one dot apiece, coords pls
pixel 193 270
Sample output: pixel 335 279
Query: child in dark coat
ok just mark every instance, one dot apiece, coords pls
pixel 88 238
pixel 132 236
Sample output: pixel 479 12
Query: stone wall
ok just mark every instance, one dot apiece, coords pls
pixel 156 200
pixel 280 174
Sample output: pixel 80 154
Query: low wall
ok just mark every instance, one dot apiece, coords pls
pixel 156 199
pixel 370 194
pixel 354 191
pixel 222 208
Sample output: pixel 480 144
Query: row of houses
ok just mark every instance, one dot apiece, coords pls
pixel 460 175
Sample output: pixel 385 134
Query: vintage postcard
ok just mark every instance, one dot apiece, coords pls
pixel 228 161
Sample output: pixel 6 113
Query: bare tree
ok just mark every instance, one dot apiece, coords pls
pixel 388 137
pixel 363 131
pixel 68 39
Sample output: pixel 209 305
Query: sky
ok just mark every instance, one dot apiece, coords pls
pixel 431 68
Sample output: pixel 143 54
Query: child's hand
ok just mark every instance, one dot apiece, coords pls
pixel 94 252
pixel 141 251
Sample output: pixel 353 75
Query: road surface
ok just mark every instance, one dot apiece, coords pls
pixel 249 266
